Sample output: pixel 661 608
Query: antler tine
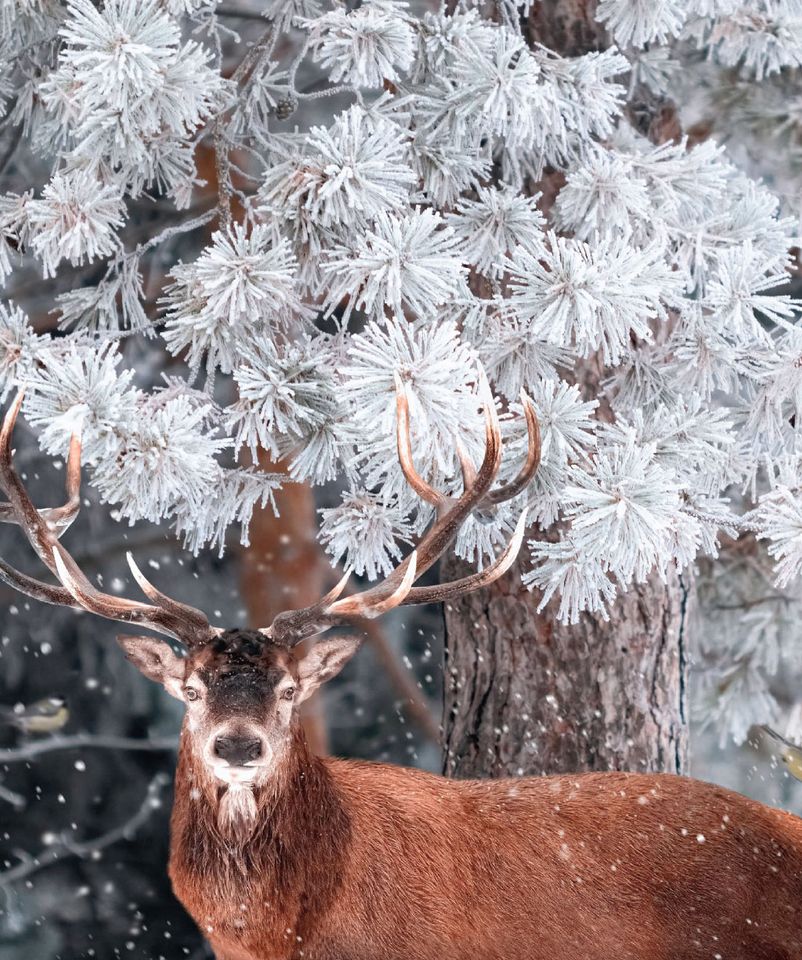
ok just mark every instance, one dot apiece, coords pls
pixel 43 529
pixel 457 588
pixel 356 606
pixel 106 605
pixel 443 531
pixel 466 465
pixel 293 626
pixel 404 443
pixel 336 590
pixel 181 611
pixel 36 589
pixel 59 519
pixel 22 510
pixel 532 462
pixel 175 624
pixel 62 517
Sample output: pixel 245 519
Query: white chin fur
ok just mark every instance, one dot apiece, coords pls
pixel 237 809
pixel 235 775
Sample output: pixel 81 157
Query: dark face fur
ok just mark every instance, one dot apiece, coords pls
pixel 242 692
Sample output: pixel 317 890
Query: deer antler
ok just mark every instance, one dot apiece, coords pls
pixel 293 626
pixel 44 528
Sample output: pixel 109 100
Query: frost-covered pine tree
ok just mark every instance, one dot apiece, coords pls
pixel 226 230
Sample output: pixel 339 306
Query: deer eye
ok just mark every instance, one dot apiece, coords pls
pixel 288 694
pixel 191 693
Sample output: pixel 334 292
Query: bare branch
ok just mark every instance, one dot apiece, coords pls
pixel 66 847
pixel 17 801
pixel 86 741
pixel 249 63
pixel 224 10
pixel 186 227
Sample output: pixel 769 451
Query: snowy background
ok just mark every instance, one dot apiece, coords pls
pixel 214 245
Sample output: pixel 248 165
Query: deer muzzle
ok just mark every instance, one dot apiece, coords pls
pixel 237 756
pixel 238 751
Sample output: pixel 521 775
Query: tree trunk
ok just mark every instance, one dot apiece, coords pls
pixel 525 694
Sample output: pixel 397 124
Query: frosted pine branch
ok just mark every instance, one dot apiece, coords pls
pixel 227 268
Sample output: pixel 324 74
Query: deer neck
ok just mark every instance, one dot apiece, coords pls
pixel 299 822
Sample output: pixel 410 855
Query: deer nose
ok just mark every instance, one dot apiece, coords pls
pixel 238 750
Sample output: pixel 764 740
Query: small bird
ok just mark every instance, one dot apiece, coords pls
pixel 47 715
pixel 790 753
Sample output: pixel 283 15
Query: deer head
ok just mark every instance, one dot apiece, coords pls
pixel 242 693
pixel 242 688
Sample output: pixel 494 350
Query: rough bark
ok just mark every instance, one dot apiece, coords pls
pixel 569 27
pixel 525 694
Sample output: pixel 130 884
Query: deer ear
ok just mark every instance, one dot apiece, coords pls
pixel 158 661
pixel 324 661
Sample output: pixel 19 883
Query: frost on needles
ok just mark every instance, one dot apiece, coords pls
pixel 424 196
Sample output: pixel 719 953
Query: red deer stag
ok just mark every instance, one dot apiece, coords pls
pixel 280 854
